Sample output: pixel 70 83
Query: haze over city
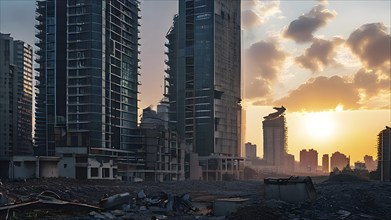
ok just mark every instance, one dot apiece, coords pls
pixel 332 76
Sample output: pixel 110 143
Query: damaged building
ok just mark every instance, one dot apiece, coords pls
pixel 160 154
pixel 88 70
pixel 275 140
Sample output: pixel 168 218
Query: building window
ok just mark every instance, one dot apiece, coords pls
pixel 65 165
pixel 94 172
pixel 105 172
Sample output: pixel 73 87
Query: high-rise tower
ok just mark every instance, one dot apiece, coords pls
pixel 274 137
pixel 204 76
pixel 88 73
pixel 384 154
pixel 16 98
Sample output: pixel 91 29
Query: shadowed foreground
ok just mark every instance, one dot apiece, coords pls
pixel 338 198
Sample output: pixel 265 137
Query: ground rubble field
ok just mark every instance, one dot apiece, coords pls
pixel 337 198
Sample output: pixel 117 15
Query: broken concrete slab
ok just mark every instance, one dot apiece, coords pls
pixel 292 189
pixel 115 201
pixel 225 207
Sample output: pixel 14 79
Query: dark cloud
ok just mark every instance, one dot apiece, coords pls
pixel 320 54
pixel 301 29
pixel 371 82
pixel 320 94
pixel 257 87
pixel 263 64
pixel 371 43
pixel 249 19
pixel 256 12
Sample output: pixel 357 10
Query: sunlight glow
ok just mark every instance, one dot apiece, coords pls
pixel 319 124
pixel 339 108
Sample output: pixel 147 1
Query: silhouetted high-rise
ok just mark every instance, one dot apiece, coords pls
pixel 274 137
pixel 384 154
pixel 204 76
pixel 308 160
pixel 325 163
pixel 339 160
pixel 88 73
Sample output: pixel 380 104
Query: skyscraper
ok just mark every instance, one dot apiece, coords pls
pixel 308 160
pixel 325 163
pixel 339 160
pixel 384 154
pixel 15 99
pixel 88 73
pixel 204 76
pixel 274 137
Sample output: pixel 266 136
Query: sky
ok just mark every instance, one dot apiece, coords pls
pixel 327 62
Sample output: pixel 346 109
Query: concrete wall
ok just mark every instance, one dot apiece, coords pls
pixel 66 167
pixel 195 168
pixel 100 166
pixel 23 169
pixel 48 169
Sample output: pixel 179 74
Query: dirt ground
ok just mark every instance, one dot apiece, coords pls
pixel 338 198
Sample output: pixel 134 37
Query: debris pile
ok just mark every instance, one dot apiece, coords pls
pixel 122 200
pixel 338 198
pixel 59 198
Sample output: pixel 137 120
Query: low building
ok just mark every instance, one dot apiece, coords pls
pixel 250 150
pixel 25 167
pixel 359 166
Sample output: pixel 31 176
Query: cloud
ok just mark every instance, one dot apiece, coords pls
pixel 301 30
pixel 371 44
pixel 322 93
pixel 257 12
pixel 371 82
pixel 263 64
pixel 320 54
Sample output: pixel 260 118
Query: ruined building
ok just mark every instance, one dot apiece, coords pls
pixel 203 82
pixel 158 154
pixel 16 97
pixel 275 137
pixel 384 154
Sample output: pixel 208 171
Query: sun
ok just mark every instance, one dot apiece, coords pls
pixel 319 124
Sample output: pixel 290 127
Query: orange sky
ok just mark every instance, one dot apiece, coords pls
pixel 354 133
pixel 311 55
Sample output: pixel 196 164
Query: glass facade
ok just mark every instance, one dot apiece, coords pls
pixel 204 75
pixel 96 46
pixel 15 97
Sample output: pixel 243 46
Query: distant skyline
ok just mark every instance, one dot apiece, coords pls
pixel 328 63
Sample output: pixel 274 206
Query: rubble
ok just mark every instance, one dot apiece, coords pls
pixel 189 200
pixel 292 189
